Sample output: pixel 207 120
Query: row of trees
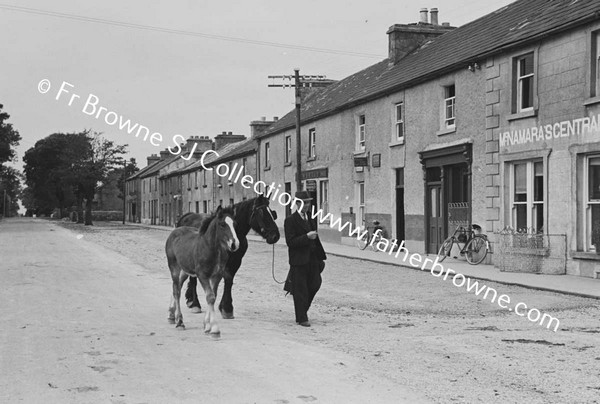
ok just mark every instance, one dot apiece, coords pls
pixel 63 171
pixel 10 184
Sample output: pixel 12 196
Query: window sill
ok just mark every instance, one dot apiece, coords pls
pixel 311 159
pixel 396 143
pixel 287 164
pixel 585 255
pixel 267 168
pixel 522 115
pixel 446 131
pixel 360 152
pixel 592 101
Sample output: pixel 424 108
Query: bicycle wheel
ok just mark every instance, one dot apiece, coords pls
pixel 445 249
pixel 476 250
pixel 376 239
pixel 363 242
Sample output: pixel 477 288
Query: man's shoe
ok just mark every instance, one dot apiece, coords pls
pixel 304 324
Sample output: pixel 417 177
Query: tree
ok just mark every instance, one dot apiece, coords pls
pixel 49 172
pixel 104 156
pixel 10 190
pixel 9 138
pixel 63 169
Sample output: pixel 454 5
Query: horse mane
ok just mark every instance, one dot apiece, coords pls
pixel 206 222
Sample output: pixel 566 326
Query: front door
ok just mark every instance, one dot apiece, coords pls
pixel 436 218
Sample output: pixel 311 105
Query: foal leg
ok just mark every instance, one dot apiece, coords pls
pixel 210 286
pixel 177 284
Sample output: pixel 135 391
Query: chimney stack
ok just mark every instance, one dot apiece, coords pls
pixel 434 16
pixel 164 154
pixel 227 138
pixel 257 128
pixel 153 158
pixel 406 38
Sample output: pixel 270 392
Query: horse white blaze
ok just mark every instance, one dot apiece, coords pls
pixel 235 240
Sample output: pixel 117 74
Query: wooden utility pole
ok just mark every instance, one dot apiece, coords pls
pixel 299 82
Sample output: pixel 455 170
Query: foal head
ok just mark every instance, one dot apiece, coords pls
pixel 221 229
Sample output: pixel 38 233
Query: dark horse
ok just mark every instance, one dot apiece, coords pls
pixel 252 214
pixel 201 253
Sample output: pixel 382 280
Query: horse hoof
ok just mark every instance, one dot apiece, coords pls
pixel 180 326
pixel 215 335
pixel 227 316
pixel 195 309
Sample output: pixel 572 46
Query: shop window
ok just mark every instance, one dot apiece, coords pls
pixel 361 134
pixel 312 142
pixel 267 155
pixel 399 119
pixel 450 106
pixel 595 63
pixel 288 149
pixel 523 83
pixel 527 196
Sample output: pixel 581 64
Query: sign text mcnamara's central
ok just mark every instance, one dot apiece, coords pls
pixel 574 127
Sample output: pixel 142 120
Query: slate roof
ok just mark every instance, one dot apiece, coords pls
pixel 514 25
pixel 227 152
pixel 142 171
pixel 155 168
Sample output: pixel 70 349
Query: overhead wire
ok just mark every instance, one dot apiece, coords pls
pixel 184 32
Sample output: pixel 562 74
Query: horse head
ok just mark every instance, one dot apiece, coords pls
pixel 263 219
pixel 225 231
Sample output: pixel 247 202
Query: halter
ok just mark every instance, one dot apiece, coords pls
pixel 259 219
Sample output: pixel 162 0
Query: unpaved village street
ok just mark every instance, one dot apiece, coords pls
pixel 84 320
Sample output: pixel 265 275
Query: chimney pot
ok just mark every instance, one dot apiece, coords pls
pixel 263 118
pixel 445 24
pixel 275 118
pixel 224 133
pixel 434 16
pixel 230 133
pixel 423 14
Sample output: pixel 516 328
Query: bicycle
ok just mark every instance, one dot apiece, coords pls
pixel 475 245
pixel 371 239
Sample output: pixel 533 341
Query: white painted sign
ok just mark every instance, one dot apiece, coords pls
pixel 572 128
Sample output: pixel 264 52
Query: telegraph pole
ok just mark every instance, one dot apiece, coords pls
pixel 299 82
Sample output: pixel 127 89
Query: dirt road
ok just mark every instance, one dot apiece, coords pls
pixel 87 323
pixel 84 324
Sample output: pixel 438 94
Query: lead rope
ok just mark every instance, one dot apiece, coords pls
pixel 273 267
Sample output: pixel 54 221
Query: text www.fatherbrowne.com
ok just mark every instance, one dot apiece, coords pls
pixel 436 269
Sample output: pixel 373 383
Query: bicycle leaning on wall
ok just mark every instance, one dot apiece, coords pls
pixel 371 238
pixel 475 245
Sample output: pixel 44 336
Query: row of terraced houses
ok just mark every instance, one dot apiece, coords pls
pixel 495 122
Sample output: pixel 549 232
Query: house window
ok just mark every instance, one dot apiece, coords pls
pixel 196 180
pixel 324 196
pixel 361 203
pixel 243 166
pixel 231 201
pixel 197 207
pixel 524 82
pixel 595 82
pixel 399 118
pixel 288 149
pixel 592 202
pixel 204 178
pixel 205 206
pixel 267 155
pixel 527 196
pixel 361 134
pixel 312 140
pixel 450 106
pixel 189 181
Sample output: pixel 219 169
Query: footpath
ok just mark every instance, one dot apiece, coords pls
pixel 566 284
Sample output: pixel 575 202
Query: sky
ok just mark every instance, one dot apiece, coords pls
pixel 188 67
